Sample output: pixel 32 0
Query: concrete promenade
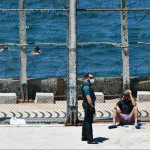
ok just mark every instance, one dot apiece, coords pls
pixel 58 110
pixel 57 136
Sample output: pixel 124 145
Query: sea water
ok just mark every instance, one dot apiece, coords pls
pixel 92 26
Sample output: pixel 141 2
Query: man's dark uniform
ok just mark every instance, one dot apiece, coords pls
pixel 87 131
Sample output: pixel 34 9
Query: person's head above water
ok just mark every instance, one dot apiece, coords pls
pixel 5 46
pixel 36 49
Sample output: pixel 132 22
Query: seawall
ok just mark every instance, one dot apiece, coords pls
pixel 58 86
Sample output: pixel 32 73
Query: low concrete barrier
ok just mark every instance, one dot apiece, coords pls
pixel 108 85
pixel 8 98
pixel 44 98
pixel 143 96
pixel 99 97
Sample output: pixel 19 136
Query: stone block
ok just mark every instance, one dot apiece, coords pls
pixel 143 96
pixel 42 97
pixel 8 98
pixel 99 97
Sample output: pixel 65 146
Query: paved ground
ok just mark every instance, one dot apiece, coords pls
pixel 57 136
pixel 58 110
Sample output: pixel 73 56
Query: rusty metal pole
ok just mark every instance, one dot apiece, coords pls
pixel 23 52
pixel 125 45
pixel 72 102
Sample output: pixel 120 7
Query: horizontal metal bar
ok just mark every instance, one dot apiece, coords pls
pixel 50 44
pixel 13 44
pixel 47 10
pixel 65 44
pixel 64 97
pixel 113 9
pixel 33 10
pixel 140 43
pixel 99 43
pixel 85 43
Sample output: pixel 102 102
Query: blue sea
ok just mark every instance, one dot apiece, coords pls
pixel 92 26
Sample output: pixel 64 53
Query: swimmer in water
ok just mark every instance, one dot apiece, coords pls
pixel 5 47
pixel 36 51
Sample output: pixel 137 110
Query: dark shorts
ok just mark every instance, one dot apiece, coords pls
pixel 126 119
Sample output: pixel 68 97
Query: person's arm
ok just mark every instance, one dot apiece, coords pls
pixel 132 99
pixel 90 101
pixel 117 108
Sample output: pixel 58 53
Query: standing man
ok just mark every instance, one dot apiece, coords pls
pixel 89 108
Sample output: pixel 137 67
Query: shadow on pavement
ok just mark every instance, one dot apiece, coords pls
pixel 100 139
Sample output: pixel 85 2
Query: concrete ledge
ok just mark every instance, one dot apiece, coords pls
pixel 44 98
pixel 143 96
pixel 99 97
pixel 8 98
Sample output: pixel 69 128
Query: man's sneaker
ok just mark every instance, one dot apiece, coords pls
pixel 92 142
pixel 83 139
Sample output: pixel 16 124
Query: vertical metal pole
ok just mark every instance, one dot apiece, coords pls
pixel 72 62
pixel 125 44
pixel 67 38
pixel 23 53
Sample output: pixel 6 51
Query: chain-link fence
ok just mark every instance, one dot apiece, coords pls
pixel 98 23
pixel 99 50
pixel 46 71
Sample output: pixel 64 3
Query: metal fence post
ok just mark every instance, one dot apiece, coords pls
pixel 23 52
pixel 125 44
pixel 72 102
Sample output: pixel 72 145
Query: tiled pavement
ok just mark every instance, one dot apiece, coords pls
pixel 57 112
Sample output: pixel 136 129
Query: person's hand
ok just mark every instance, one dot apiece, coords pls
pixel 93 110
pixel 130 93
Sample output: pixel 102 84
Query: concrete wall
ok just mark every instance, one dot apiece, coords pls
pixel 107 85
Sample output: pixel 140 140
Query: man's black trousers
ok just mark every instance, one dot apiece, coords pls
pixel 87 131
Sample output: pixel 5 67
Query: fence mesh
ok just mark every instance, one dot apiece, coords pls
pixel 98 51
